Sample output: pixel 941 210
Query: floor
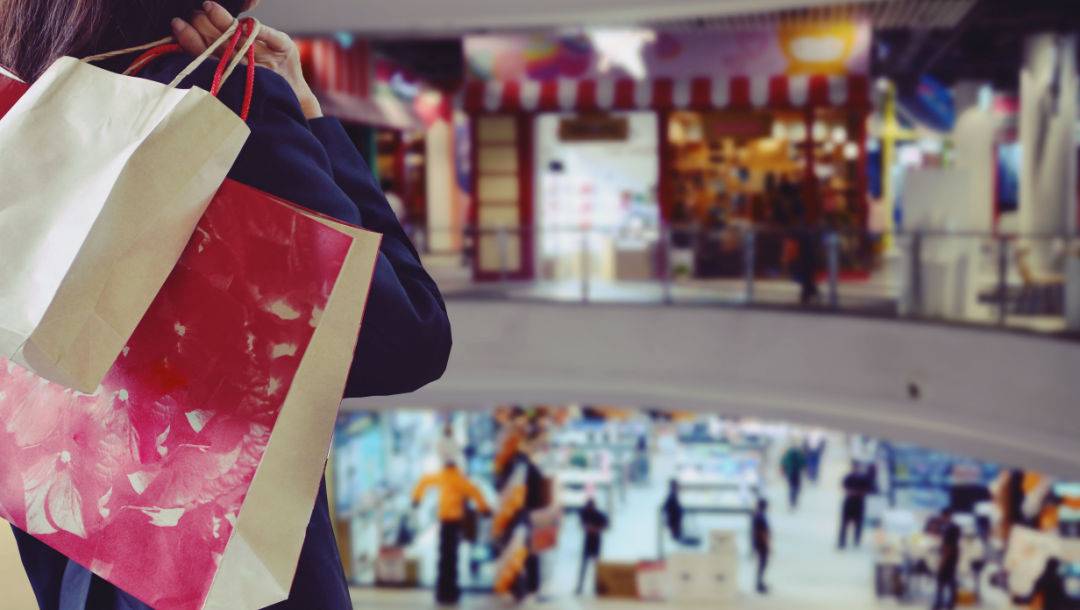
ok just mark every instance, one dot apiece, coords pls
pixel 807 572
pixel 876 296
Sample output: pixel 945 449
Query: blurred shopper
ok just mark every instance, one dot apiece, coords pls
pixel 641 459
pixel 792 465
pixel 806 238
pixel 1048 592
pixel 673 512
pixel 448 449
pixel 815 452
pixel 294 153
pixel 594 522
pixel 948 564
pixel 682 230
pixel 761 539
pixel 853 511
pixel 538 496
pixel 455 492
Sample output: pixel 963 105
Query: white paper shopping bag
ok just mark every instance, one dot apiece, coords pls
pixel 102 180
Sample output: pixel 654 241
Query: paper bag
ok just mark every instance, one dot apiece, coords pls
pixel 189 478
pixel 1026 556
pixel 104 178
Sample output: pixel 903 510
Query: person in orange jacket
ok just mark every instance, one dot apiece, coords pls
pixel 455 492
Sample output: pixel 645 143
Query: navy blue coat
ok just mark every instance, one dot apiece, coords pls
pixel 404 342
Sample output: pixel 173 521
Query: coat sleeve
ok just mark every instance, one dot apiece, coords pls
pixel 404 340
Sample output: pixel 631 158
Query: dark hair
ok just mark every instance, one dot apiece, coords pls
pixel 35 33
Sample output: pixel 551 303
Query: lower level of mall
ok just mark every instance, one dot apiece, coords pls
pixel 807 571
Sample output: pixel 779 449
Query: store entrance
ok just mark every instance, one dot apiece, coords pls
pixel 597 213
pixel 776 173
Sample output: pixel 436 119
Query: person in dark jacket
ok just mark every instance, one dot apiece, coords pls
pixel 293 152
pixel 949 563
pixel 792 466
pixel 853 511
pixel 673 512
pixel 594 521
pixel 761 540
pixel 1050 589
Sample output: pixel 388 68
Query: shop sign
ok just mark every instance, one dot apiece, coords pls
pixel 594 128
pixel 743 125
pixel 791 49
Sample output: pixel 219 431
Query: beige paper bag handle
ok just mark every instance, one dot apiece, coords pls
pixel 225 36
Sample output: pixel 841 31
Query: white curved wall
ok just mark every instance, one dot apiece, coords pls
pixel 373 16
pixel 1010 398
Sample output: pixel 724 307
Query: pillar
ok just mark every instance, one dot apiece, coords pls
pixel 1048 111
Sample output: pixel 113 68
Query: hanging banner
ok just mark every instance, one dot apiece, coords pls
pixel 791 49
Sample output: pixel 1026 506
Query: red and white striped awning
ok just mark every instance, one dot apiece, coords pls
pixel 666 94
pixel 343 78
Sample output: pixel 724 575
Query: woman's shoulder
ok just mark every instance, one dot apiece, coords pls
pixel 271 91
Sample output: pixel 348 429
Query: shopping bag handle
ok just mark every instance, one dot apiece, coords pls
pixel 248 28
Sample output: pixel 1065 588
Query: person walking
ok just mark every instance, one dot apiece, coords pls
pixel 815 453
pixel 673 512
pixel 293 152
pixel 761 540
pixel 949 564
pixel 455 492
pixel 594 522
pixel 853 511
pixel 792 465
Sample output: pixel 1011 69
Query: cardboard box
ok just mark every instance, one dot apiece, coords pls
pixel 616 580
pixel 653 581
pixel 705 578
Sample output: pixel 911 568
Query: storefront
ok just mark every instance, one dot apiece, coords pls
pixel 736 115
pixel 597 212
pixel 403 127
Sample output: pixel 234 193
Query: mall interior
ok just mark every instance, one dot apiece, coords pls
pixel 765 305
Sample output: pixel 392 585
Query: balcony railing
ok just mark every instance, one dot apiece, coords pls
pixel 1029 282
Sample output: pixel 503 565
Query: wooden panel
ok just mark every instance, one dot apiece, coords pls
pixel 500 216
pixel 497 129
pixel 500 159
pixel 501 188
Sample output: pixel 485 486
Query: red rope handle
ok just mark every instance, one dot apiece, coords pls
pixel 148 56
pixel 215 86
pixel 249 85
pixel 244 30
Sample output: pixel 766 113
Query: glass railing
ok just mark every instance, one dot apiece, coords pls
pixel 1029 282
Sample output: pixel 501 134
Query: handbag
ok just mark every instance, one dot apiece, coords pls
pixel 470 525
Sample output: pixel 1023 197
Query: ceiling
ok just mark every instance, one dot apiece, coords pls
pixel 951 40
pixel 418 17
pixel 985 44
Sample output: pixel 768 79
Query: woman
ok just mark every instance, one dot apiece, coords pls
pixel 293 152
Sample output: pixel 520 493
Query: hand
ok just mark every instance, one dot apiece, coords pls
pixel 273 49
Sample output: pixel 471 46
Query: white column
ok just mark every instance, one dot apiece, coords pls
pixel 1048 112
pixel 973 138
pixel 439 146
